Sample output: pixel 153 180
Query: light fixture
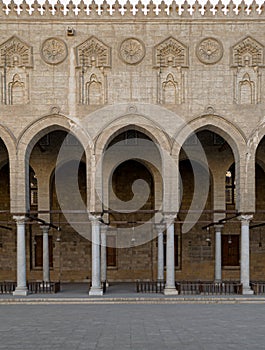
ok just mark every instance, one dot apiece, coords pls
pixel 70 31
pixel 208 238
pixel 229 239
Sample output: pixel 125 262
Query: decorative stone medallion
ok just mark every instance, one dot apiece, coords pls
pixel 132 51
pixel 209 51
pixel 54 51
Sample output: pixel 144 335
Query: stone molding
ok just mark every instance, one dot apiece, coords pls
pixel 139 11
pixel 54 51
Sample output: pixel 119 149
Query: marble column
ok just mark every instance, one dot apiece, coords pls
pixel 218 253
pixel 103 255
pixel 46 262
pixel 21 288
pixel 160 252
pixel 244 257
pixel 170 288
pixel 96 283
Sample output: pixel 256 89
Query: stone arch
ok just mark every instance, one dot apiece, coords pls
pixel 49 123
pixel 120 124
pixel 27 140
pixel 9 140
pixel 235 139
pixel 230 133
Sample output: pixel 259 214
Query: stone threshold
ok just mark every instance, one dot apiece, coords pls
pixel 136 300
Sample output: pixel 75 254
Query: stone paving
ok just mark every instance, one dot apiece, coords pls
pixel 139 327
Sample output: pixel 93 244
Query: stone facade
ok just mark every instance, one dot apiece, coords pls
pixel 174 76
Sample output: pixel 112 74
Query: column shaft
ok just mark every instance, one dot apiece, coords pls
pixel 46 262
pixel 21 288
pixel 96 285
pixel 103 253
pixel 244 258
pixel 170 269
pixel 160 256
pixel 218 253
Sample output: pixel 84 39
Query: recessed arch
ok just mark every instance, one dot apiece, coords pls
pixel 35 131
pixel 121 124
pixel 232 135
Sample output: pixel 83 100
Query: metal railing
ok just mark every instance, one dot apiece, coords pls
pixel 43 287
pixel 209 287
pixel 258 287
pixel 192 287
pixel 150 286
pixel 33 287
pixel 7 287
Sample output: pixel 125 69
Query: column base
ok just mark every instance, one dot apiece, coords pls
pixel 21 291
pixel 247 291
pixel 170 291
pixel 96 291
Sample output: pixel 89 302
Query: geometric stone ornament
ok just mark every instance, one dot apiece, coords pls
pixel 15 52
pixel 170 53
pixel 247 57
pixel 93 52
pixel 54 51
pixel 247 52
pixel 15 58
pixel 247 85
pixel 209 51
pixel 93 57
pixel 132 51
pixel 170 56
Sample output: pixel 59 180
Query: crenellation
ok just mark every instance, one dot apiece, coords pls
pixel 138 11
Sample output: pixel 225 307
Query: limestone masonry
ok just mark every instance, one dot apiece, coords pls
pixel 100 96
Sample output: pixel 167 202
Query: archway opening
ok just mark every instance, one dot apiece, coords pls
pixel 198 244
pixel 132 187
pixel 69 251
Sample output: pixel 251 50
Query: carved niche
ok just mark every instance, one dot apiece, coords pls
pixel 247 58
pixel 170 57
pixel 93 59
pixel 15 62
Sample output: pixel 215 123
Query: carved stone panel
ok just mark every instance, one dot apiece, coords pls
pixel 92 87
pixel 209 51
pixel 54 51
pixel 15 52
pixel 93 59
pixel 15 60
pixel 170 56
pixel 247 86
pixel 93 52
pixel 132 51
pixel 247 52
pixel 170 53
pixel 247 57
pixel 15 86
pixel 171 85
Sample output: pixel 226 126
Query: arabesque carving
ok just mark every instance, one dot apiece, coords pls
pixel 247 58
pixel 15 60
pixel 93 59
pixel 170 56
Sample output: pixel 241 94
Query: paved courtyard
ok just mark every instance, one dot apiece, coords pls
pixel 141 327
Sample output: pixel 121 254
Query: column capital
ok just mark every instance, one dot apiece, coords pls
pixel 94 218
pixel 169 218
pixel 218 227
pixel 160 228
pixel 20 219
pixel 245 218
pixel 45 228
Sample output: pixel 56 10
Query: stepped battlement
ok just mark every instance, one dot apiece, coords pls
pixel 136 12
